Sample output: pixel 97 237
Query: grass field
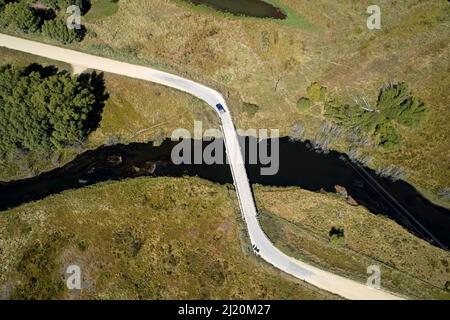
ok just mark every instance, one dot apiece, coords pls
pixel 138 239
pixel 299 222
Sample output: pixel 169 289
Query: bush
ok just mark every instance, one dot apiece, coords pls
pixel 444 193
pixel 303 104
pixel 58 30
pixel 386 135
pixel 64 4
pixel 21 16
pixel 250 108
pixel 396 103
pixel 337 236
pixel 316 92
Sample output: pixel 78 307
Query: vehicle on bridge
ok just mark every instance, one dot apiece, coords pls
pixel 220 108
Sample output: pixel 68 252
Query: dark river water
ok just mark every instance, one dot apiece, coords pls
pixel 299 166
pixel 251 8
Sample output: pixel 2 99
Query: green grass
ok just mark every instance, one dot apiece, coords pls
pixel 102 8
pixel 294 19
pixel 131 236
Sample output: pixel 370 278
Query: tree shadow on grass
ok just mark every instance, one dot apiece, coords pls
pixel 96 81
pixel 44 71
pixel 86 6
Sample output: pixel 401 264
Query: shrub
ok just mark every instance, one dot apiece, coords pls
pixel 316 92
pixel 297 132
pixel 303 104
pixel 396 103
pixel 392 172
pixel 64 4
pixel 386 135
pixel 395 106
pixel 250 108
pixel 444 193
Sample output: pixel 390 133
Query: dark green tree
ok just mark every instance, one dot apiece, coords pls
pixel 397 103
pixel 64 4
pixel 41 111
pixel 20 16
pixel 58 30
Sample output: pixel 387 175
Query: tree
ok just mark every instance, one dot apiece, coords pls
pixel 58 30
pixel 64 4
pixel 41 112
pixel 397 103
pixel 337 236
pixel 19 15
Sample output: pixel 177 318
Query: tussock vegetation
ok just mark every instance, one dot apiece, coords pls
pixel 139 239
pixel 395 106
pixel 326 231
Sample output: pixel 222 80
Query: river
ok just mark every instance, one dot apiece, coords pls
pixel 300 165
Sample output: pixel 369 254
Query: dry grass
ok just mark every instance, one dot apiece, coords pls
pixel 139 111
pixel 138 239
pixel 299 222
